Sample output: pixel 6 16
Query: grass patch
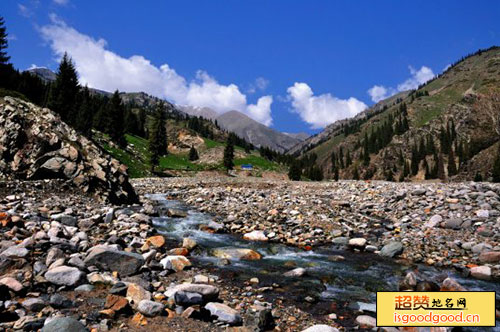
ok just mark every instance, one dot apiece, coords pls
pixel 423 116
pixel 210 144
pixel 178 162
pixel 257 162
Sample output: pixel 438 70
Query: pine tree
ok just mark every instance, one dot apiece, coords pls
pixel 427 170
pixel 348 160
pixel 478 177
pixel 452 167
pixel 355 173
pixel 193 154
pixel 440 168
pixel 64 91
pixel 496 167
pixel 4 43
pixel 414 161
pixel 84 120
pixel 295 171
pixel 229 154
pixel 157 137
pixel 116 113
pixel 336 174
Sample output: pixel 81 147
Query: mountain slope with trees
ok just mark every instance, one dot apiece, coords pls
pixel 447 129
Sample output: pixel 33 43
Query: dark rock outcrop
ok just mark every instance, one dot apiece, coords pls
pixel 35 144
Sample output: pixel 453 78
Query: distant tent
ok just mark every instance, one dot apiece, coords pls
pixel 247 167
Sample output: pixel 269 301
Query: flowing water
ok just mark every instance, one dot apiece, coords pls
pixel 332 285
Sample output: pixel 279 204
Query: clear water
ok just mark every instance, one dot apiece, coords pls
pixel 355 279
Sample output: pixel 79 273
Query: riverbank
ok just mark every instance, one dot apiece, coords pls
pixel 439 224
pixel 69 261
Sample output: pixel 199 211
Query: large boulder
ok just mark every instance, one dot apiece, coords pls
pixel 392 249
pixel 110 259
pixel 208 292
pixel 36 144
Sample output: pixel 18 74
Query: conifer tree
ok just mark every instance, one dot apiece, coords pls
pixel 496 167
pixel 295 171
pixel 193 154
pixel 4 43
pixel 116 113
pixel 348 160
pixel 452 167
pixel 336 174
pixel 84 120
pixel 355 173
pixel 440 168
pixel 157 137
pixel 64 91
pixel 229 154
pixel 478 177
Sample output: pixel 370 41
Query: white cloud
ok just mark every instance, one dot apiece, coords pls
pixel 260 84
pixel 418 77
pixel 320 111
pixel 380 92
pixel 100 68
pixel 61 2
pixel 24 10
pixel 11 37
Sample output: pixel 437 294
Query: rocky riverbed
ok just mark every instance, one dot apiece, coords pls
pixel 68 262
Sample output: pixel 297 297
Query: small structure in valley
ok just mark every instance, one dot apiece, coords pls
pixel 246 167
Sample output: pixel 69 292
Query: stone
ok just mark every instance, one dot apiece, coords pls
pixel 65 219
pixel 60 302
pixel 480 247
pixel 366 321
pixel 255 236
pixel 15 252
pixel 136 293
pixel 357 242
pixel 186 299
pixel 156 241
pixel 117 303
pixel 178 252
pixel 53 255
pixel 12 284
pixel 176 213
pixel 175 263
pixel 392 249
pixel 485 214
pixel 66 324
pixel 481 272
pixel 453 223
pixel 433 221
pixel 298 272
pixel 484 257
pixel 201 279
pixel 321 328
pixel 84 288
pixel 208 292
pixel 119 288
pixel 224 313
pixel 33 304
pixel 65 276
pixel 419 192
pixel 451 285
pixel 139 319
pixel 189 243
pixel 150 308
pixel 110 259
pixel 236 253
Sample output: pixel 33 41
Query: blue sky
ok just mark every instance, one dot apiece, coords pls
pixel 294 65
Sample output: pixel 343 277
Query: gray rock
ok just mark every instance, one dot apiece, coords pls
pixel 187 299
pixel 176 213
pixel 65 219
pixel 110 259
pixel 298 272
pixel 65 276
pixel 453 223
pixel 481 272
pixel 34 304
pixel 341 241
pixel 53 255
pixel 419 192
pixel 208 292
pixel 480 247
pixel 224 313
pixel 66 324
pixel 58 301
pixel 433 221
pixel 366 321
pixel 150 308
pixel 392 249
pixel 321 328
pixel 15 252
pixel 84 288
